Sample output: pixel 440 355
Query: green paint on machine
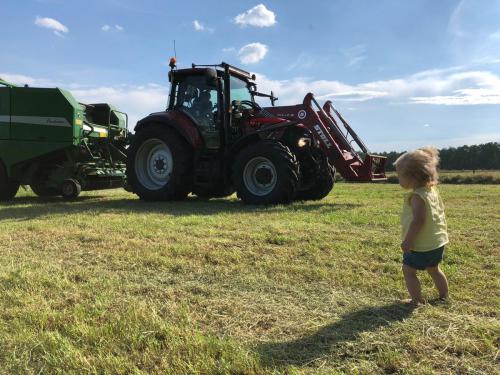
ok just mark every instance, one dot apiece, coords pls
pixel 51 142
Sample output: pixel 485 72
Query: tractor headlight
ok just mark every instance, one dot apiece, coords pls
pixel 304 142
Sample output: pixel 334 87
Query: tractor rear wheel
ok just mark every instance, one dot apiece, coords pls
pixel 266 173
pixel 159 164
pixel 8 188
pixel 323 183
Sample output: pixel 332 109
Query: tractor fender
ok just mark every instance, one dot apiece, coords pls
pixel 181 122
pixel 244 142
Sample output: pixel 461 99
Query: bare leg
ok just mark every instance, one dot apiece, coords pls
pixel 413 284
pixel 440 281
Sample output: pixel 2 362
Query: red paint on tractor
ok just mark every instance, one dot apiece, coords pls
pixel 336 145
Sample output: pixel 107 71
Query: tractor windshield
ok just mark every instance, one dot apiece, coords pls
pixel 239 89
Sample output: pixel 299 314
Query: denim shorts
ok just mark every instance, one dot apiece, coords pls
pixel 420 260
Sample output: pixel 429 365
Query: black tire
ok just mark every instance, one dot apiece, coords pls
pixel 323 183
pixel 39 185
pixel 43 191
pixel 177 170
pixel 8 188
pixel 70 189
pixel 278 171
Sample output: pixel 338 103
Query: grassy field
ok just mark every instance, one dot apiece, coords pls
pixel 109 284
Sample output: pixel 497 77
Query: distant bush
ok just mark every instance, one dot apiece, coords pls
pixel 447 178
pixel 458 179
pixel 484 156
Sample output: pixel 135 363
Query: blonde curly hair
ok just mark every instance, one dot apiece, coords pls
pixel 419 165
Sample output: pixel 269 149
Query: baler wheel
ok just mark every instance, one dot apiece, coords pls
pixel 38 186
pixel 159 164
pixel 70 189
pixel 43 191
pixel 8 188
pixel 266 172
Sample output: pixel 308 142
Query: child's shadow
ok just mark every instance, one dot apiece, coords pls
pixel 307 349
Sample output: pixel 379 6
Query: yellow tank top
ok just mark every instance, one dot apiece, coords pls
pixel 433 233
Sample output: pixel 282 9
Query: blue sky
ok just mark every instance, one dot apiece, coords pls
pixel 404 73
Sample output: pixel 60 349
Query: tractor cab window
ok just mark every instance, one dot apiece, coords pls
pixel 200 101
pixel 239 89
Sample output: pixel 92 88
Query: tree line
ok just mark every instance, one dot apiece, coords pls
pixel 483 156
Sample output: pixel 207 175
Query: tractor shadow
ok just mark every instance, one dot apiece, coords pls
pixel 31 207
pixel 309 349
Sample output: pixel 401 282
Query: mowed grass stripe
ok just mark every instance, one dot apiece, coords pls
pixel 112 284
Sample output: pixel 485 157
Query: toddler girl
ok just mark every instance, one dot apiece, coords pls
pixel 424 232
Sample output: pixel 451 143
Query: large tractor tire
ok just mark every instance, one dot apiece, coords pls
pixel 266 172
pixel 8 188
pixel 159 165
pixel 322 185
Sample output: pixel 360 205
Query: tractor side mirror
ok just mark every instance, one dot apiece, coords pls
pixel 211 77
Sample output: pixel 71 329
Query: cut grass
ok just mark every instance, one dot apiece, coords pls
pixel 109 284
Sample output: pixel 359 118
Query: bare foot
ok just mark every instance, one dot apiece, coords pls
pixel 439 301
pixel 413 302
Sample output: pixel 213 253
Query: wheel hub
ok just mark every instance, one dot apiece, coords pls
pixel 259 176
pixel 263 176
pixel 154 164
pixel 160 165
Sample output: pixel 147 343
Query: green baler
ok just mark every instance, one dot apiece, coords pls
pixel 56 145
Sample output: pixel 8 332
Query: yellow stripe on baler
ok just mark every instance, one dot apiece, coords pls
pixel 103 133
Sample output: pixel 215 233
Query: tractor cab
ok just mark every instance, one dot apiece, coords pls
pixel 219 99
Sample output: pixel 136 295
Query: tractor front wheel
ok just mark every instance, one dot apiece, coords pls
pixel 8 188
pixel 159 164
pixel 322 185
pixel 266 173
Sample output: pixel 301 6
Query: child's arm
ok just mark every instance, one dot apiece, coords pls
pixel 418 208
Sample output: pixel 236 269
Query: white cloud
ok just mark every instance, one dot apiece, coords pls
pixel 198 26
pixel 116 27
pixel 454 22
pixel 258 16
pixel 495 35
pixel 466 88
pixel 52 24
pixel 439 87
pixel 136 101
pixel 354 55
pixel 20 79
pixel 252 53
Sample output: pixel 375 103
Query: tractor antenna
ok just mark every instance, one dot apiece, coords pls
pixel 173 60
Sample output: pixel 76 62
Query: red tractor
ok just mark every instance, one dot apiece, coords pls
pixel 214 139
